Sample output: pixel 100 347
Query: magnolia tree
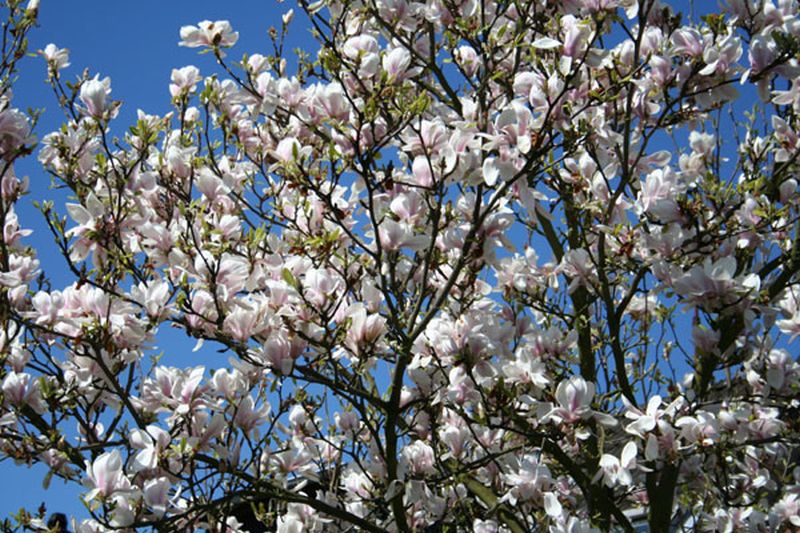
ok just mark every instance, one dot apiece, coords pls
pixel 469 266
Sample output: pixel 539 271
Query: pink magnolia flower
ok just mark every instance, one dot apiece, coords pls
pixel 89 218
pixel 409 206
pixel 12 232
pixel 153 296
pixel 57 58
pixel 422 171
pixel 295 460
pixel 21 390
pixel 513 127
pixel 330 103
pixel 249 415
pixel 578 265
pixel 207 33
pixel 790 309
pixel 552 506
pixel 156 495
pixel 574 397
pixel 174 391
pixel 105 476
pixel 715 283
pixel 243 322
pixel 419 458
pixel 123 514
pixel 528 480
pixel 526 368
pixel 357 483
pixel 11 186
pixel 365 329
pixel 455 438
pixel 231 273
pixel 21 271
pixel 347 422
pixel 396 63
pixel 94 96
pixel 278 353
pixel 781 369
pixel 320 287
pixel 151 442
pixel 701 429
pixel 396 235
pixel 485 526
pixel 721 57
pixel 184 80
pixel 15 131
pixel 299 518
pixel 788 510
pixel 576 34
pixel 658 195
pixel 761 53
pixel 687 41
pixel 290 150
pixel 616 471
pixel 363 51
pixel 468 59
pixel 643 422
pixel 429 137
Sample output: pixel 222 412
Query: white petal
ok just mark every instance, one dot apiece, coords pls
pixel 79 213
pixel 628 454
pixel 546 43
pixel 490 171
pixel 551 505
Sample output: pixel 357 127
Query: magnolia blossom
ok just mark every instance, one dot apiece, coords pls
pixel 365 329
pixel 105 476
pixel 207 33
pixel 396 235
pixel 527 368
pixel 647 420
pixel 419 458
pixel 617 471
pixel 15 131
pixel 57 58
pixel 19 389
pixel 714 283
pixel 184 80
pixel 150 442
pixel 658 195
pixel 94 95
pixel 152 296
pixel 396 63
pixel 530 481
pixel 279 353
pixel 574 398
pixel 788 510
pixel 156 495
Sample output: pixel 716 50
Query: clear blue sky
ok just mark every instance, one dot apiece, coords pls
pixel 136 44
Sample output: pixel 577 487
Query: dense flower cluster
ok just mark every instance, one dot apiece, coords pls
pixel 457 274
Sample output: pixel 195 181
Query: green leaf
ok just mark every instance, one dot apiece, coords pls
pixel 289 278
pixel 46 481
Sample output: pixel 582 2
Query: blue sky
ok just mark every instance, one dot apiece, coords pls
pixel 136 44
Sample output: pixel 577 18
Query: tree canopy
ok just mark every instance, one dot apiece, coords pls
pixel 468 266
